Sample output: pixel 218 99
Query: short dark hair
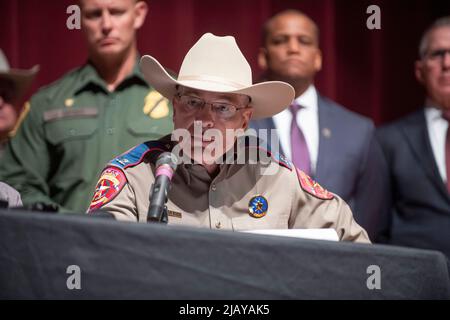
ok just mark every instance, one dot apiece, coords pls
pixel 266 26
pixel 424 40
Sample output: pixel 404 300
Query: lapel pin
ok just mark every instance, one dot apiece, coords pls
pixel 326 132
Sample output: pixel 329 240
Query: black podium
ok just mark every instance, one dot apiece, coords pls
pixel 119 260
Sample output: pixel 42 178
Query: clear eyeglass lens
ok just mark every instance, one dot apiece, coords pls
pixel 222 110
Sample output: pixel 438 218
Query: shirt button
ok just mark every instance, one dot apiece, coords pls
pixel 213 187
pixel 110 130
pixel 72 132
pixel 218 225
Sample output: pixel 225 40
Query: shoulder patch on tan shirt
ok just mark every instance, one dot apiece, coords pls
pixel 312 187
pixel 108 187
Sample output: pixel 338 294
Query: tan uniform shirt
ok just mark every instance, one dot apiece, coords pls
pixel 223 202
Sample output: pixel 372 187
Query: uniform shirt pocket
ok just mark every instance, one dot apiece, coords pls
pixel 270 221
pixel 72 124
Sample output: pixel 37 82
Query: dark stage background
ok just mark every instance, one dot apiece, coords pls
pixel 368 71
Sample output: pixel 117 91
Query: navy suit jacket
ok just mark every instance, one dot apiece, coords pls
pixel 420 203
pixel 348 162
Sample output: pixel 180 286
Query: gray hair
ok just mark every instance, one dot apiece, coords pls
pixel 424 41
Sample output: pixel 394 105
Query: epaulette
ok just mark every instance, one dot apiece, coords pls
pixel 136 155
pixel 281 159
pixel 253 142
pixel 312 187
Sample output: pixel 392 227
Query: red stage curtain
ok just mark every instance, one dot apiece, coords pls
pixel 370 72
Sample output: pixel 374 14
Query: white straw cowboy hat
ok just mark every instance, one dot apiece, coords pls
pixel 20 79
pixel 216 64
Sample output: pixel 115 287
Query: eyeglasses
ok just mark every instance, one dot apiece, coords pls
pixel 438 54
pixel 222 110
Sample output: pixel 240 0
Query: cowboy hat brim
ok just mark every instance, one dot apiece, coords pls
pixel 21 80
pixel 267 98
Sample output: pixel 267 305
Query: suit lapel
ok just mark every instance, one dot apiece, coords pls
pixel 416 134
pixel 325 140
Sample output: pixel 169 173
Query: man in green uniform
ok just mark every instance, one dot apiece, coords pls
pixel 77 124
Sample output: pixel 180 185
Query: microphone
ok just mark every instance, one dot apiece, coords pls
pixel 166 164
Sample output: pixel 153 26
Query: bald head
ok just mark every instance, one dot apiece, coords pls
pixel 110 27
pixel 290 50
pixel 82 2
pixel 271 24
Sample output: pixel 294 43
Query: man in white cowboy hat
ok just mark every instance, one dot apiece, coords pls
pixel 214 92
pixel 13 85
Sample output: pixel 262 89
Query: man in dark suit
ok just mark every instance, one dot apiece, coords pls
pixel 417 150
pixel 332 144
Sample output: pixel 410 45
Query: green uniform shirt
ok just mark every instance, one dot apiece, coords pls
pixel 74 127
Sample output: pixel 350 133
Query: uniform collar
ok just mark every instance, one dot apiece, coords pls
pixel 195 172
pixel 89 76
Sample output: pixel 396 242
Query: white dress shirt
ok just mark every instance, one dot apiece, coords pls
pixel 307 120
pixel 437 131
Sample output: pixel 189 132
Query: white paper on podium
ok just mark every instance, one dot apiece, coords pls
pixel 315 234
